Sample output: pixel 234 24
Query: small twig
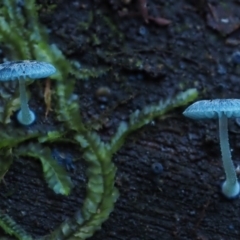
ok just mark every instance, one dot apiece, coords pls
pixel 142 5
pixel 47 97
pixel 202 215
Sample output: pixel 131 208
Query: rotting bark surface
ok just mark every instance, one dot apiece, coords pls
pixel 184 202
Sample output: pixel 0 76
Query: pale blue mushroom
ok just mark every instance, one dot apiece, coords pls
pixel 21 71
pixel 221 109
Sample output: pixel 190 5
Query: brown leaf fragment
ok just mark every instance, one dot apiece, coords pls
pixel 160 21
pixel 223 19
pixel 143 12
pixel 142 5
pixel 47 97
pixel 232 42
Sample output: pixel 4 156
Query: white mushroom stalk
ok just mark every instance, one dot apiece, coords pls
pixel 22 70
pixel 25 116
pixel 230 187
pixel 221 109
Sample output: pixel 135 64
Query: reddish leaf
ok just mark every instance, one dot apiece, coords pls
pixel 160 21
pixel 222 19
pixel 143 9
pixel 47 97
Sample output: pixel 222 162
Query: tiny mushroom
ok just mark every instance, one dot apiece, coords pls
pixel 236 57
pixel 21 71
pixel 157 168
pixel 221 109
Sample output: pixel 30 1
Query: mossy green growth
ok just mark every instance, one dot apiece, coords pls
pixel 101 193
pixel 54 174
pixel 114 31
pixel 25 38
pixel 86 25
pixel 6 160
pixel 12 228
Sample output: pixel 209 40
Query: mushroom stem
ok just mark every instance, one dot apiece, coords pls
pixel 25 115
pixel 230 187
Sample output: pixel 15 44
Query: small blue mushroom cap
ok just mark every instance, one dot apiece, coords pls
pixel 157 168
pixel 236 57
pixel 25 69
pixel 206 109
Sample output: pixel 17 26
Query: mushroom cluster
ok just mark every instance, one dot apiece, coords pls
pixel 220 109
pixel 21 71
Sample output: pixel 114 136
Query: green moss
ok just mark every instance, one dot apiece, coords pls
pixel 25 38
pixel 95 40
pixel 47 8
pixel 54 174
pixel 86 25
pixel 114 31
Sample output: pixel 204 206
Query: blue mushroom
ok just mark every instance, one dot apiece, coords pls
pixel 236 57
pixel 157 168
pixel 21 71
pixel 221 109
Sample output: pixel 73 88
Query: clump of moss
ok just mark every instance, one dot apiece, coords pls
pixel 25 38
